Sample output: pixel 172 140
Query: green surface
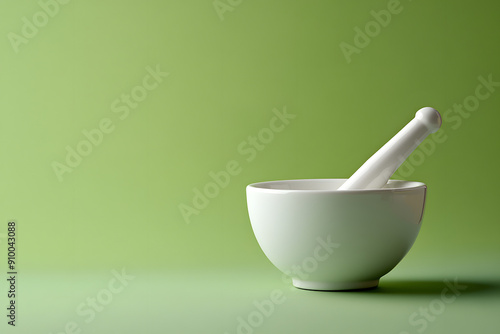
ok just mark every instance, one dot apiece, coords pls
pixel 409 300
pixel 229 74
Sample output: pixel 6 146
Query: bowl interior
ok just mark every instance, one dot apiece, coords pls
pixel 330 185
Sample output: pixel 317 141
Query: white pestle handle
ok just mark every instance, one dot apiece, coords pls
pixel 377 170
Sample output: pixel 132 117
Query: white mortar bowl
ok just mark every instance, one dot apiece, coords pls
pixel 327 239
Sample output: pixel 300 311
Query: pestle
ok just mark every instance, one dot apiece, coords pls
pixel 377 170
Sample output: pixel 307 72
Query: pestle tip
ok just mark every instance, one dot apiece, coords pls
pixel 430 117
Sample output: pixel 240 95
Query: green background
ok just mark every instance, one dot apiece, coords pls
pixel 119 208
